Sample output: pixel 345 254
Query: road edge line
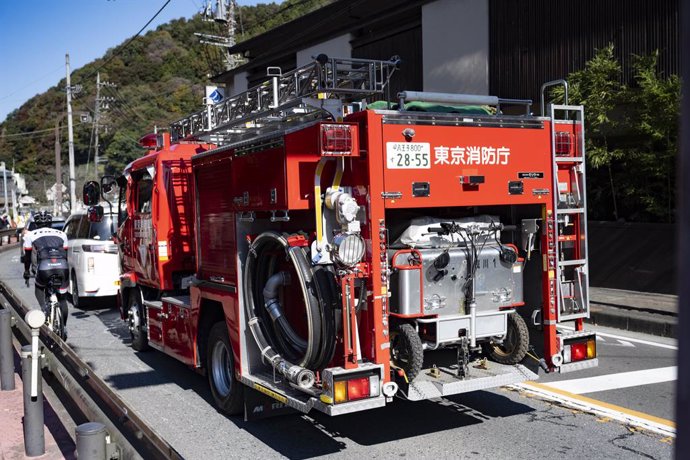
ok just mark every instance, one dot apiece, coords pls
pixel 622 414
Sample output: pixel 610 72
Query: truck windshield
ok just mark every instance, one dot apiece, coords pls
pixel 101 230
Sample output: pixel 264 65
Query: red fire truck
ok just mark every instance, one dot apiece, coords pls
pixel 332 254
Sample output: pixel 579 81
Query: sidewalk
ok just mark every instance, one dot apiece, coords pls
pixel 650 313
pixel 58 441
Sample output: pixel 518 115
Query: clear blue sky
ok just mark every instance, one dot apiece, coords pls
pixel 35 35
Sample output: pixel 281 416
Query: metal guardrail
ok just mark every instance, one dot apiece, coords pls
pixel 10 232
pixel 89 393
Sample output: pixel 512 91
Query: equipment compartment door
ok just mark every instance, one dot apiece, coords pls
pixel 467 165
pixel 176 332
pixel 258 180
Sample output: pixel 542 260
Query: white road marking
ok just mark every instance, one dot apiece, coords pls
pixel 615 381
pixel 630 339
pixel 634 418
pixel 624 343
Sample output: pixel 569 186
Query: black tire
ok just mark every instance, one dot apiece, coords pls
pixel 514 346
pixel 227 392
pixel 58 325
pixel 74 292
pixel 140 341
pixel 406 350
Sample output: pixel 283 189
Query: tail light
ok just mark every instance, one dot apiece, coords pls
pixel 336 139
pixel 356 388
pixel 564 143
pixel 102 248
pixel 579 350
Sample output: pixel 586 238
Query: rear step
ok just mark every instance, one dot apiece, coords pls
pixel 483 374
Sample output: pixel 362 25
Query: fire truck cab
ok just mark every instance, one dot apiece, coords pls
pixel 155 231
pixel 344 254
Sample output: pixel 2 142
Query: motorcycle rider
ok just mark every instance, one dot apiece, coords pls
pixel 46 247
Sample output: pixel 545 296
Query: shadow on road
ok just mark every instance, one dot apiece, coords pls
pixel 306 436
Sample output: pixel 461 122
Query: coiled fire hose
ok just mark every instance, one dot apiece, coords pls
pixel 281 347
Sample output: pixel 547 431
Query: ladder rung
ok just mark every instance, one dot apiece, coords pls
pixel 569 160
pixel 568 263
pixel 570 210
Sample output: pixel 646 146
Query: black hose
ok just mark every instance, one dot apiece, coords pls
pixel 273 330
pixel 274 309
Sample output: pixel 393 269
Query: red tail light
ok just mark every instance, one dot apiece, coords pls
pixel 578 351
pixel 564 143
pixel 336 139
pixel 358 388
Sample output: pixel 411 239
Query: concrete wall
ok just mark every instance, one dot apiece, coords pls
pixel 455 40
pixel 336 47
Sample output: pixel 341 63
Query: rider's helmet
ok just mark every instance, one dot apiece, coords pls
pixel 43 219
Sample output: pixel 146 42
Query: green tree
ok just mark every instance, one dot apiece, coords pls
pixel 599 89
pixel 631 136
pixel 654 116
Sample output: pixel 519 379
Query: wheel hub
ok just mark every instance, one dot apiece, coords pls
pixel 220 368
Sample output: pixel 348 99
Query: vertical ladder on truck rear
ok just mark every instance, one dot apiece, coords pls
pixel 570 211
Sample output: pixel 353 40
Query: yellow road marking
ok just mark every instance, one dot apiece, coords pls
pixel 595 402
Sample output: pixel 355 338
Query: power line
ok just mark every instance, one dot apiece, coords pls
pixel 31 133
pixel 121 48
pixel 61 66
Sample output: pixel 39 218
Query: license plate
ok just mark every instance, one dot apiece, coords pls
pixel 408 155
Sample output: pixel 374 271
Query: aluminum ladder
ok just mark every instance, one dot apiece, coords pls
pixel 314 91
pixel 570 211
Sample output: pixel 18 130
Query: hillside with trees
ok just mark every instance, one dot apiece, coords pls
pixel 159 77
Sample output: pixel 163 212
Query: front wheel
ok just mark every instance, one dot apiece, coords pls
pixel 227 392
pixel 515 344
pixel 137 330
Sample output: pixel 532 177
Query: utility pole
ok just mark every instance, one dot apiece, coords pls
pixel 70 133
pixel 95 121
pixel 223 14
pixel 97 117
pixel 4 185
pixel 57 206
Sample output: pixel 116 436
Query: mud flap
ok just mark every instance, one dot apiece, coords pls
pixel 259 406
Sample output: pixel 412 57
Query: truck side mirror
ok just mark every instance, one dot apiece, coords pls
pixel 95 213
pixel 108 183
pixel 92 193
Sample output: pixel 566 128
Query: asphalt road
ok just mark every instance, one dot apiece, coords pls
pixel 496 424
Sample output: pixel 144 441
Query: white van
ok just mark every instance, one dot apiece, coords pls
pixel 93 257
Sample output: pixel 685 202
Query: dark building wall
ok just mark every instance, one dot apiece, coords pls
pixel 534 41
pixel 404 41
pixel 633 256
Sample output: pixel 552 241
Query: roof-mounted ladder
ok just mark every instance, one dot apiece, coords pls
pixel 313 91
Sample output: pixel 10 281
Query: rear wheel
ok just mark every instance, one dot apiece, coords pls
pixel 227 392
pixel 74 291
pixel 406 350
pixel 515 344
pixel 137 330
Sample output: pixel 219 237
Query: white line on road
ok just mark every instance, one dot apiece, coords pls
pixel 629 339
pixel 615 381
pixel 635 418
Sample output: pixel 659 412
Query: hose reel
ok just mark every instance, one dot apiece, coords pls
pixel 280 345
